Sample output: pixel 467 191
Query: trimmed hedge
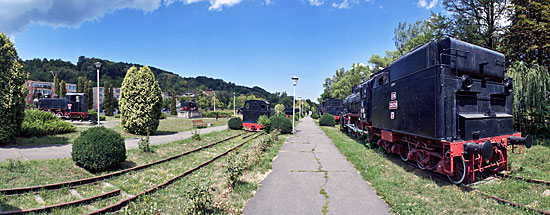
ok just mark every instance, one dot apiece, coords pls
pixel 327 120
pixel 98 149
pixel 92 115
pixel 235 123
pixel 281 123
pixel 39 123
pixel 221 114
pixel 315 116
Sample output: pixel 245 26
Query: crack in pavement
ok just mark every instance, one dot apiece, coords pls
pixel 322 191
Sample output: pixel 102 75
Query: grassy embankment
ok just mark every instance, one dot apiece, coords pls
pixel 168 200
pixel 166 126
pixel 410 191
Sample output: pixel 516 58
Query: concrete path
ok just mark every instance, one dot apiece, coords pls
pixel 43 152
pixel 310 176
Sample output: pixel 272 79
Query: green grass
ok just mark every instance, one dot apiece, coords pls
pixel 411 191
pixel 28 173
pixel 166 126
pixel 172 200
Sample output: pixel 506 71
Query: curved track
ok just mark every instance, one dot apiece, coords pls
pixel 90 180
pixel 124 202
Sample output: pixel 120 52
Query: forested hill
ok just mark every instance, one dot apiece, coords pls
pixel 114 72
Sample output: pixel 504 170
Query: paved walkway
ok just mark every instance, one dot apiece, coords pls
pixel 43 152
pixel 310 174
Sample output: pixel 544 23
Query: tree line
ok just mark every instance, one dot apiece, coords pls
pixel 517 28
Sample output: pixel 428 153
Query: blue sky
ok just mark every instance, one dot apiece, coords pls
pixel 247 42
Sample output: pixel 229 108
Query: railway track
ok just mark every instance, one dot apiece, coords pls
pixel 486 195
pixel 113 190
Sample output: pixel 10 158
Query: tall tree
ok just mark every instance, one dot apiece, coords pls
pixel 62 89
pixel 56 84
pixel 80 86
pixel 173 110
pixel 12 91
pixel 409 36
pixel 108 99
pixel 90 92
pixel 140 101
pixel 480 22
pixel 528 38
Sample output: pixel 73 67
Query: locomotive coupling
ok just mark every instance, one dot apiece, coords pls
pixel 485 148
pixel 527 141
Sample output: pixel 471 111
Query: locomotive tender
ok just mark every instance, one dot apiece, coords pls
pixel 333 107
pixel 445 105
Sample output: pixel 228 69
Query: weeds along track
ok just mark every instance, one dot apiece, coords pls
pixel 494 197
pixel 89 190
pixel 123 202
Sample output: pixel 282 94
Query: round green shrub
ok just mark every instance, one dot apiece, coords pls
pixel 235 123
pixel 37 123
pixel 315 116
pixel 264 120
pixel 98 149
pixel 281 123
pixel 327 120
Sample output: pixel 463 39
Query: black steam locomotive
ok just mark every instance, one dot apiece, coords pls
pixel 333 107
pixel 73 105
pixel 189 106
pixel 252 110
pixel 445 105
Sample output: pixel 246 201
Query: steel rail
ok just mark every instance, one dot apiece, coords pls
pixel 503 175
pixel 124 202
pixel 496 198
pixel 48 208
pixel 74 183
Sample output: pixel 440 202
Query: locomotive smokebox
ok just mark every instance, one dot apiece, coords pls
pixel 485 149
pixel 527 141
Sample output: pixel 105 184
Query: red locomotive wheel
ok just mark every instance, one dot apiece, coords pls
pixel 405 151
pixel 459 173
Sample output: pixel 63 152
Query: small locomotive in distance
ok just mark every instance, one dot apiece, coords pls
pixel 333 107
pixel 445 105
pixel 288 112
pixel 252 110
pixel 72 106
pixel 189 106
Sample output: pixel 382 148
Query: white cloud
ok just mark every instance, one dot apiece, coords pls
pixel 425 4
pixel 16 15
pixel 346 4
pixel 268 2
pixel 316 2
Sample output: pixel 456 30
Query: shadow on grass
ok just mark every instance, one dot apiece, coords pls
pixel 164 132
pixel 410 167
pixel 7 207
pixel 37 142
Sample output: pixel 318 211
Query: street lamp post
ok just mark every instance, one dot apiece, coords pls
pixel 294 82
pixel 234 110
pixel 97 65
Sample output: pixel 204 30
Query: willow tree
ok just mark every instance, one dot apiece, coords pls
pixel 12 91
pixel 140 101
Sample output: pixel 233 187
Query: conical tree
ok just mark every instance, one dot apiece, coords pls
pixel 109 100
pixel 62 89
pixel 173 110
pixel 140 101
pixel 90 92
pixel 80 86
pixel 12 91
pixel 56 85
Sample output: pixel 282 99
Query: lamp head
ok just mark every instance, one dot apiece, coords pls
pixel 294 80
pixel 97 64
